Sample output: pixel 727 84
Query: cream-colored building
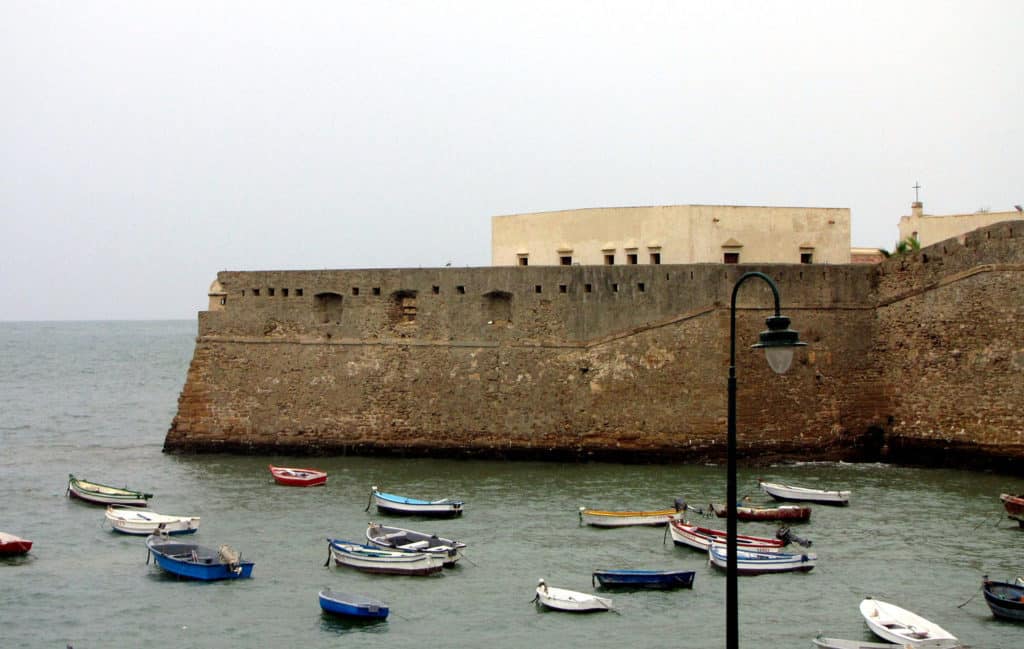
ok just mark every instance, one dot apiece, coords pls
pixel 672 234
pixel 928 229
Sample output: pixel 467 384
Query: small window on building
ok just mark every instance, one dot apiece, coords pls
pixel 270 292
pixel 256 292
pixel 562 288
pixel 587 288
pixel 731 258
pixel 609 260
pixel 565 260
pixel 284 292
pixel 461 290
pixel 436 289
pixel 355 290
pixel 655 258
pixel 223 301
pixel 376 290
pixel 298 292
pixel 537 288
pixel 243 292
pixel 524 260
pixel 641 287
pixel 615 288
pixel 806 257
pixel 631 258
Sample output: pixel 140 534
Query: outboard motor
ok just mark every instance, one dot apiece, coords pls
pixel 787 536
pixel 680 504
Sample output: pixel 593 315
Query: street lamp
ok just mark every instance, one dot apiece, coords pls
pixel 778 342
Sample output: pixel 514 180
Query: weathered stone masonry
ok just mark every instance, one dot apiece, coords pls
pixel 917 359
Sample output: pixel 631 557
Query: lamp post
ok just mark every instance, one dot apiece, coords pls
pixel 778 342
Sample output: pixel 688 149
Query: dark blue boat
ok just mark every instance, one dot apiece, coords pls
pixel 195 561
pixel 1005 600
pixel 349 605
pixel 659 579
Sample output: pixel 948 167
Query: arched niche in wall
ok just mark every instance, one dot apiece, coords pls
pixel 403 306
pixel 327 307
pixel 497 306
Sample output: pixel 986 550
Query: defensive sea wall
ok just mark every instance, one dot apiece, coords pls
pixel 917 358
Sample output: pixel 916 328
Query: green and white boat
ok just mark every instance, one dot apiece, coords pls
pixel 102 494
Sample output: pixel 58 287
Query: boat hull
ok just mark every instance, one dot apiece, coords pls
pixel 902 627
pixel 701 538
pixel 560 599
pixel 792 493
pixel 130 520
pixel 839 643
pixel 762 563
pixel 396 538
pixel 1014 506
pixel 292 477
pixel 383 562
pixel 358 606
pixel 100 494
pixel 602 518
pixel 402 506
pixel 193 561
pixel 11 545
pixel 790 513
pixel 653 579
pixel 1005 600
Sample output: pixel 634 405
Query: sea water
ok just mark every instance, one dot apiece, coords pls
pixel 96 398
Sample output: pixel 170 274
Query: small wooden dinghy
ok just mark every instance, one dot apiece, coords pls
pixel 654 579
pixel 392 504
pixel 131 520
pixel 749 562
pixel 348 605
pixel 839 643
pixel 368 558
pixel 560 599
pixel 195 561
pixel 780 491
pixel 292 477
pixel 102 494
pixel 791 513
pixel 605 518
pixel 892 623
pixel 397 538
pixel 11 545
pixel 1004 600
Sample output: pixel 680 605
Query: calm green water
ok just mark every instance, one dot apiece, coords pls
pixel 95 399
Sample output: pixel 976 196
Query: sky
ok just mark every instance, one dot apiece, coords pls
pixel 144 146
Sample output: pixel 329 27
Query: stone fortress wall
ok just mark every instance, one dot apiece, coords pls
pixel 917 355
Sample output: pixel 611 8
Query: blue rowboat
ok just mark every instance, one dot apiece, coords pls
pixel 659 579
pixel 749 562
pixel 1004 600
pixel 195 561
pixel 352 605
pixel 392 504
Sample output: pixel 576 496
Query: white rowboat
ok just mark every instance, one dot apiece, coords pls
pixel 760 563
pixel 561 599
pixel 780 491
pixel 839 643
pixel 898 625
pixel 129 520
pixel 385 562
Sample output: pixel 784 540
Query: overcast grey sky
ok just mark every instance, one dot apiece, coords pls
pixel 144 146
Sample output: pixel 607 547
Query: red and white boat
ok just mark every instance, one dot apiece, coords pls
pixel 11 545
pixel 1014 507
pixel 701 538
pixel 293 477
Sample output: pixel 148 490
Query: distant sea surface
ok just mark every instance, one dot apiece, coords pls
pixel 96 399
